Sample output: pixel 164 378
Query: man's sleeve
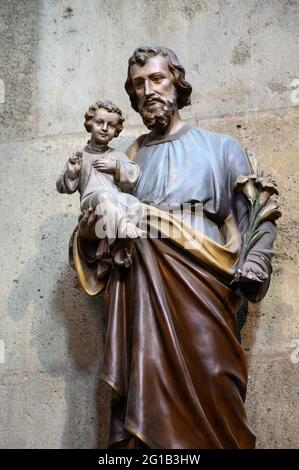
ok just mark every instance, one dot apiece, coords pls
pixel 261 253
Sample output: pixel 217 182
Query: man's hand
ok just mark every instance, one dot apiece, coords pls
pixel 86 224
pixel 104 164
pixel 74 166
pixel 252 272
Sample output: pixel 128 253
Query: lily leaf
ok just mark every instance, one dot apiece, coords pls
pixel 255 238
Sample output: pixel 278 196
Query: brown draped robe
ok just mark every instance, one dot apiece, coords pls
pixel 171 355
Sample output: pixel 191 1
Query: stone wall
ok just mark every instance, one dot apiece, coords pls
pixel 56 58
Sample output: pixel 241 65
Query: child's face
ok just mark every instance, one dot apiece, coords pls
pixel 104 126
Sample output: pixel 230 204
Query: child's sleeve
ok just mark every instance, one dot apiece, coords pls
pixel 127 174
pixel 65 184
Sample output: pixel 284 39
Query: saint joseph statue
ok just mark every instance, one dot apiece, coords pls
pixel 171 355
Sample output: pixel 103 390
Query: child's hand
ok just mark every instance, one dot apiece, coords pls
pixel 74 166
pixel 104 164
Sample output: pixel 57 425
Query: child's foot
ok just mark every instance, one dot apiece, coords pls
pixel 130 230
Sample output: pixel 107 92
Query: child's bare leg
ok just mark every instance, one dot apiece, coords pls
pixel 110 220
pixel 115 220
pixel 107 217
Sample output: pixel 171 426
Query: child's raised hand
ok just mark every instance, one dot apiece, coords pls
pixel 74 165
pixel 104 164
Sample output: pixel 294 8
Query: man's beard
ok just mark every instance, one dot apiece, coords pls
pixel 157 113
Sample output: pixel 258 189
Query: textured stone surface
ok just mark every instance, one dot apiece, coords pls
pixel 58 57
pixel 61 409
pixel 55 59
pixel 18 45
pixel 272 402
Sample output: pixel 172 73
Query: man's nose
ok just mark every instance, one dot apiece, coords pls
pixel 104 127
pixel 148 91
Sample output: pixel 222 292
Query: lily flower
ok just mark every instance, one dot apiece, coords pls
pixel 246 185
pixel 270 211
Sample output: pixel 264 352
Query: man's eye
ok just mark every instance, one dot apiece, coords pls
pixel 157 79
pixel 138 84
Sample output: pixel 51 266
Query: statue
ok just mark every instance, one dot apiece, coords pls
pixel 99 173
pixel 171 356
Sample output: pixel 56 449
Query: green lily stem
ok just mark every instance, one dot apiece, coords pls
pixel 254 222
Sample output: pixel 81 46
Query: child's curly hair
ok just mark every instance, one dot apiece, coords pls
pixel 109 106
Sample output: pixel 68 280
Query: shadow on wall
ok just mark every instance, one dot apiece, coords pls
pixel 67 333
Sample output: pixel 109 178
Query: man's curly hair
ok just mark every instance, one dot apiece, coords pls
pixel 109 106
pixel 141 56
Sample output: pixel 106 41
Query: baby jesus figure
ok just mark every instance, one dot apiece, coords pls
pixel 103 176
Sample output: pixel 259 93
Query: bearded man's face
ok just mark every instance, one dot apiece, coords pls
pixel 156 94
